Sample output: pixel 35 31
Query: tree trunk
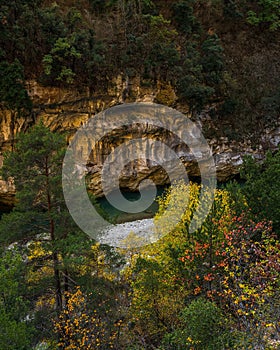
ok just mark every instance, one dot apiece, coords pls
pixel 58 289
pixel 12 129
pixel 66 285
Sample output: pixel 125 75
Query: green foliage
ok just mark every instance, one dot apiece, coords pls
pixel 228 107
pixel 72 49
pixel 52 25
pixel 149 40
pixel 14 335
pixel 13 93
pixel 183 14
pixel 262 187
pixel 59 256
pixel 202 72
pixel 35 166
pixel 203 327
pixel 18 26
pixel 89 47
pixel 159 40
pixel 16 329
pixel 232 9
pixel 212 60
pixel 271 105
pixel 63 52
pixel 196 95
pixel 102 5
pixel 239 203
pixel 38 154
pixel 12 272
pixel 267 12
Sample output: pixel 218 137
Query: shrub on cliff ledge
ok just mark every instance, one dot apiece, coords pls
pixel 262 187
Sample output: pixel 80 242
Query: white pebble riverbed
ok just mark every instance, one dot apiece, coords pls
pixel 129 234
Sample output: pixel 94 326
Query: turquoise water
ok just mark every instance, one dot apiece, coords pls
pixel 109 211
pixel 120 216
pixel 114 214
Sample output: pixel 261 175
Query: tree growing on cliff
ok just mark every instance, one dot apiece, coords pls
pixel 265 12
pixel 262 187
pixel 13 94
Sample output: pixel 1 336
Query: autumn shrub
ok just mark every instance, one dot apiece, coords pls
pixel 243 277
pixel 80 327
pixel 231 260
pixel 251 278
pixel 160 281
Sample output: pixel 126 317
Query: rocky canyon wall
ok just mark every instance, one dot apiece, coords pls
pixel 65 110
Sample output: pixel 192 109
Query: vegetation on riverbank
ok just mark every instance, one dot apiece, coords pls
pixel 215 288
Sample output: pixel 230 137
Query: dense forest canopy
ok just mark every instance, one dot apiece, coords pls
pixel 218 54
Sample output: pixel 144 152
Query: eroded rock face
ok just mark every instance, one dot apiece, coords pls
pixel 66 110
pixel 7 192
pixel 7 195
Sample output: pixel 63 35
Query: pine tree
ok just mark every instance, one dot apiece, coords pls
pixel 40 214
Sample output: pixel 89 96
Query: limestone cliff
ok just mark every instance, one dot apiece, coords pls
pixel 66 110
